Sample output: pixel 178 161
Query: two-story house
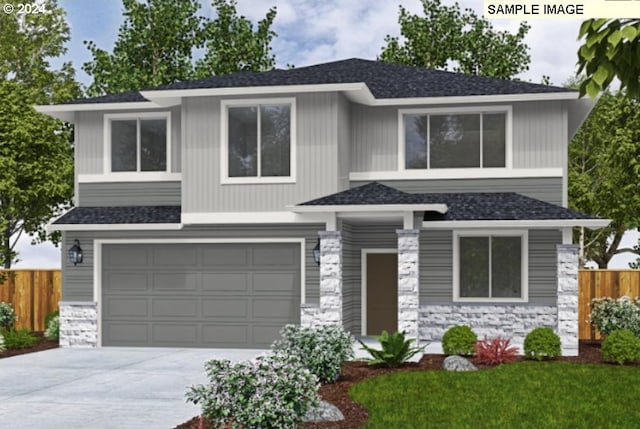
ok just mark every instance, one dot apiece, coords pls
pixel 212 212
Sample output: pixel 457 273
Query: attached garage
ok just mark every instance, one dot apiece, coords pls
pixel 198 295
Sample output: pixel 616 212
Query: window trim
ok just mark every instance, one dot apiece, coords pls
pixel 524 269
pixel 457 172
pixel 224 141
pixel 142 175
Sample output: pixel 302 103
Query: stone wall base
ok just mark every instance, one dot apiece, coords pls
pixel 78 324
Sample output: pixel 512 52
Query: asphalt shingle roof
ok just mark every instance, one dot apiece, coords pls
pixel 462 206
pixel 385 80
pixel 121 215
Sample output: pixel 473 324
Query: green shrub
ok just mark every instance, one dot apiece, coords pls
pixel 322 349
pixel 610 314
pixel 7 315
pixel 621 346
pixel 53 329
pixel 49 316
pixel 273 391
pixel 542 343
pixel 459 340
pixel 395 349
pixel 18 339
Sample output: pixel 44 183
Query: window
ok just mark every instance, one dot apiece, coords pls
pixel 139 144
pixel 454 140
pixel 490 267
pixel 258 141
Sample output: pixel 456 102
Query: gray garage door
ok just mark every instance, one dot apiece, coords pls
pixel 199 295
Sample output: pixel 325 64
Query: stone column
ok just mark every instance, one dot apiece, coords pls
pixel 78 324
pixel 330 278
pixel 568 298
pixel 408 281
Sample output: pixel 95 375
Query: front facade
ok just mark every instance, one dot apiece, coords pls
pixel 434 199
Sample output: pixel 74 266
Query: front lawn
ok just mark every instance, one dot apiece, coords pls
pixel 520 395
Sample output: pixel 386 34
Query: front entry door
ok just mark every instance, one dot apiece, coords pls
pixel 382 293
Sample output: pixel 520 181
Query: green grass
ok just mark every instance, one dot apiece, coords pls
pixel 521 395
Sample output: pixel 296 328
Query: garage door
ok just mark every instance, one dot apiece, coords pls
pixel 199 295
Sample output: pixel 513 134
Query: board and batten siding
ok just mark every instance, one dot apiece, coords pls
pixel 128 194
pixel 436 266
pixel 89 144
pixel 316 158
pixel 344 142
pixel 547 189
pixel 539 136
pixel 77 281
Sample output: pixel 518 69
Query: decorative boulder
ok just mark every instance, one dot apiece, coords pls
pixel 324 412
pixel 458 363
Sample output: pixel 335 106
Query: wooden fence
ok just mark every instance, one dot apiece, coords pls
pixel 33 293
pixel 598 284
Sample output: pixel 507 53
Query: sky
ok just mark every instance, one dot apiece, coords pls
pixel 311 32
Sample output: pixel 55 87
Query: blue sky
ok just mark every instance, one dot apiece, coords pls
pixel 309 32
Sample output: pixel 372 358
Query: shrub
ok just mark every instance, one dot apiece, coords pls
pixel 53 329
pixel 7 316
pixel 610 314
pixel 49 316
pixel 459 340
pixel 322 349
pixel 493 351
pixel 2 346
pixel 18 339
pixel 621 346
pixel 272 391
pixel 542 343
pixel 395 349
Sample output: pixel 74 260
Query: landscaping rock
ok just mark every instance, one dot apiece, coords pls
pixel 324 412
pixel 458 363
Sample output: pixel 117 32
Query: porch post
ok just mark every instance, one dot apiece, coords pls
pixel 568 298
pixel 408 281
pixel 330 277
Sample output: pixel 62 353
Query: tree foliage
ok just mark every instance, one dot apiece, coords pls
pixel 446 36
pixel 604 174
pixel 158 38
pixel 611 49
pixel 36 155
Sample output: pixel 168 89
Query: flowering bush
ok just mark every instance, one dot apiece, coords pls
pixel 492 351
pixel 53 328
pixel 621 346
pixel 273 391
pixel 542 343
pixel 459 340
pixel 610 314
pixel 7 316
pixel 322 349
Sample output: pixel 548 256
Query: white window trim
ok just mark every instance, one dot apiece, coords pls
pixel 523 234
pixel 457 172
pixel 363 282
pixel 224 141
pixel 143 175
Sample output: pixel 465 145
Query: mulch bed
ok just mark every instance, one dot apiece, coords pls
pixel 354 372
pixel 42 344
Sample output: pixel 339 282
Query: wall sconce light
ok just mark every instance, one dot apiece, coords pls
pixel 75 253
pixel 316 253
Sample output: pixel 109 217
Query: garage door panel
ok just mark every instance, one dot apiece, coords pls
pixel 128 256
pixel 220 282
pixel 284 282
pixel 175 256
pixel 166 334
pixel 174 307
pixel 127 281
pixel 274 309
pixel 225 335
pixel 225 256
pixel 129 307
pixel 279 256
pixel 225 308
pixel 133 334
pixel 181 281
pixel 264 335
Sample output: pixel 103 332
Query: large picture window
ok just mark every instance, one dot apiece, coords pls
pixel 139 144
pixel 258 141
pixel 456 140
pixel 491 267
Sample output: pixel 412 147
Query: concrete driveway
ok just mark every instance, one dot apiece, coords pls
pixel 103 388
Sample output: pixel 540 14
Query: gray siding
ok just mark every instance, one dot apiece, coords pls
pixel 89 145
pixel 77 281
pixel 543 188
pixel 543 272
pixel 344 142
pixel 128 194
pixel 317 154
pixel 350 282
pixel 539 136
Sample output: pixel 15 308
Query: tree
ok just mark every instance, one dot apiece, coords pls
pixel 446 36
pixel 611 49
pixel 36 155
pixel 604 174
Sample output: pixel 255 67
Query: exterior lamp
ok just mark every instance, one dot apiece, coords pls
pixel 316 253
pixel 75 253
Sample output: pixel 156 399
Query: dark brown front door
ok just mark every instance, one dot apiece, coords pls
pixel 382 293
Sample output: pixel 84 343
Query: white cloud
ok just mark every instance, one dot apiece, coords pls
pixel 43 255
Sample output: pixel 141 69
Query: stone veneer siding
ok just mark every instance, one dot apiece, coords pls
pixel 408 281
pixel 568 298
pixel 78 324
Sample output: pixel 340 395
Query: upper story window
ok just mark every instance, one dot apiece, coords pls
pixel 258 141
pixel 459 138
pixel 138 143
